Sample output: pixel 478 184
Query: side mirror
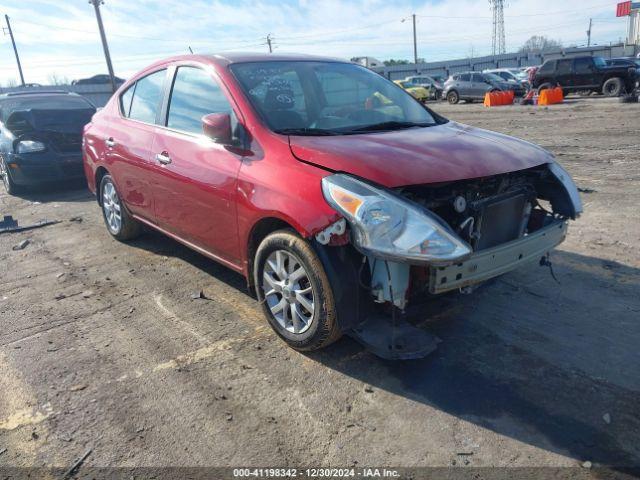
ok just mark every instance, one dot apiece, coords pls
pixel 217 126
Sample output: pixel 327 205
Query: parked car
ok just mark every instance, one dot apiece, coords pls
pixel 586 74
pixel 40 137
pixel 420 93
pixel 97 80
pixel 471 86
pixel 515 75
pixel 337 208
pixel 435 88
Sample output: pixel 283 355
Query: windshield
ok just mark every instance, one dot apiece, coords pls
pixel 328 98
pixel 42 102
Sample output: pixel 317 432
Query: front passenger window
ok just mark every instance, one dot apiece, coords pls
pixel 195 94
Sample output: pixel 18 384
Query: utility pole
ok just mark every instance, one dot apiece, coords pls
pixel 415 41
pixel 269 43
pixel 15 49
pixel 96 5
pixel 589 32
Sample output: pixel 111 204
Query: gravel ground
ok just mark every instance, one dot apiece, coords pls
pixel 103 347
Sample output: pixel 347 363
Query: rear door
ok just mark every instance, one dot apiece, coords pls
pixel 195 179
pixel 128 142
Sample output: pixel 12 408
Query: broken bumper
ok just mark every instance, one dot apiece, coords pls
pixel 496 261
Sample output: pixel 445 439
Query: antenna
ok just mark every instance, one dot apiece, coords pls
pixel 498 44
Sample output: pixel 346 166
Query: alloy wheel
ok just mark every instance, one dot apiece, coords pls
pixel 288 291
pixel 4 174
pixel 112 208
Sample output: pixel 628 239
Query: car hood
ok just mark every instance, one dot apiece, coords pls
pixel 442 153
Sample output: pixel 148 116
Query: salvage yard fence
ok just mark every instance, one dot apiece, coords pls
pixel 508 60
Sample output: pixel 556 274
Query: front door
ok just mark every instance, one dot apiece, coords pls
pixel 585 73
pixel 196 179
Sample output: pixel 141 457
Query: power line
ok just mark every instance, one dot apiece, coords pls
pixel 545 14
pixel 123 35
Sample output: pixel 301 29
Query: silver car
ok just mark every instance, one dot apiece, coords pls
pixel 470 86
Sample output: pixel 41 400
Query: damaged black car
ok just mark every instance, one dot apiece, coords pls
pixel 41 138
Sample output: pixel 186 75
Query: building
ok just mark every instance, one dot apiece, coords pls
pixel 368 62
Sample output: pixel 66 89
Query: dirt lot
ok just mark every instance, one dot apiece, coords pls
pixel 103 347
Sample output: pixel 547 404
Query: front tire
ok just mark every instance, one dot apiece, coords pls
pixel 294 291
pixel 120 224
pixel 613 87
pixel 453 97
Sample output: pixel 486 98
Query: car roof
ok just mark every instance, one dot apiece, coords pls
pixel 229 58
pixel 48 93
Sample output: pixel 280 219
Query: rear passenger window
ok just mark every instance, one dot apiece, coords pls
pixel 147 97
pixel 195 94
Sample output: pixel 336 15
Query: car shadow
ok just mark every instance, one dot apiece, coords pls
pixel 160 244
pixel 69 191
pixel 553 365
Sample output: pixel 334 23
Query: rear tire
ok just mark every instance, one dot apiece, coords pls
pixel 120 224
pixel 9 184
pixel 453 97
pixel 294 292
pixel 613 87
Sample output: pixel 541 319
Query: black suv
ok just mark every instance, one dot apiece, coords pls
pixel 587 73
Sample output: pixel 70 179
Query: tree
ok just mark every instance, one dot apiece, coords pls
pixel 54 79
pixel 539 44
pixel 392 62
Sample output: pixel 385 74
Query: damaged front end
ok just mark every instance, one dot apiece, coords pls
pixel 423 240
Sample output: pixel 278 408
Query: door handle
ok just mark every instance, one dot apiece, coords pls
pixel 110 142
pixel 163 158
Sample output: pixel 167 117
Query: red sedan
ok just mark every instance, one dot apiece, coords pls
pixel 337 195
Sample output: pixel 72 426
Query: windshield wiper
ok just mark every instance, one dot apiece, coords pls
pixel 306 131
pixel 393 125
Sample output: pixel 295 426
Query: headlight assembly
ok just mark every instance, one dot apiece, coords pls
pixel 30 146
pixel 567 182
pixel 389 227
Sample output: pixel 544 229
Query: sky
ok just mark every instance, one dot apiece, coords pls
pixel 60 37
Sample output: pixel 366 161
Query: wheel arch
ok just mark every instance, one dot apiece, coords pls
pixel 99 175
pixel 258 232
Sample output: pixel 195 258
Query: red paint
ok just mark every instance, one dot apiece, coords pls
pixel 211 196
